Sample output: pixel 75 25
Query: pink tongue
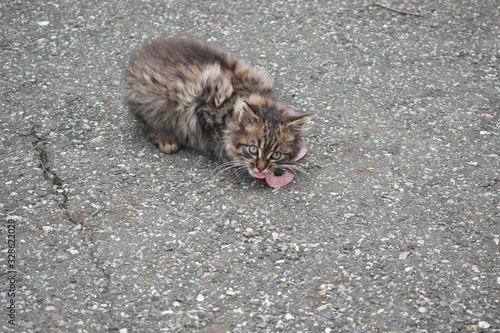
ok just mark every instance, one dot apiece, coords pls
pixel 259 175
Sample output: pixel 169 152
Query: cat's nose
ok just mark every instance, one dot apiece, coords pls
pixel 261 165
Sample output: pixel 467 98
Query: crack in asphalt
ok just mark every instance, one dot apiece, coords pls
pixel 54 178
pixel 51 175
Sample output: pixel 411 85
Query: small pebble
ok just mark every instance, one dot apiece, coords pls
pixel 403 255
pixel 484 324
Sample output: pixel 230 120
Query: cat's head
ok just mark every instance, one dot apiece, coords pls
pixel 263 135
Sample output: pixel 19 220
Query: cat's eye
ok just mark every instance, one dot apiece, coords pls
pixel 276 155
pixel 253 150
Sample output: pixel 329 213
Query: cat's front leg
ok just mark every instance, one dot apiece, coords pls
pixel 167 146
pixel 164 144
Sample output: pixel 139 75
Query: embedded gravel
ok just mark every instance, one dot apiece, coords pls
pixel 393 227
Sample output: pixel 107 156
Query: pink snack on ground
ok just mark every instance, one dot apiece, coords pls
pixel 279 181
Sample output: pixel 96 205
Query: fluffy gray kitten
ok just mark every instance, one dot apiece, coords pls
pixel 190 94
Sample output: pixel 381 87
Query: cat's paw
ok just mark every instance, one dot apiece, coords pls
pixel 167 146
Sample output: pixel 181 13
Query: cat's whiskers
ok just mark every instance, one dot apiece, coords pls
pixel 235 165
pixel 228 164
pixel 240 172
pixel 296 170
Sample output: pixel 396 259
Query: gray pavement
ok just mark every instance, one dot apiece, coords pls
pixel 394 227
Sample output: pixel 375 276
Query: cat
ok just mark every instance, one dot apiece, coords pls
pixel 188 93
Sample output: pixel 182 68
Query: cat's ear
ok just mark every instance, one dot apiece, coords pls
pixel 246 115
pixel 297 124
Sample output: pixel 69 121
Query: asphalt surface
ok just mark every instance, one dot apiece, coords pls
pixel 394 226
